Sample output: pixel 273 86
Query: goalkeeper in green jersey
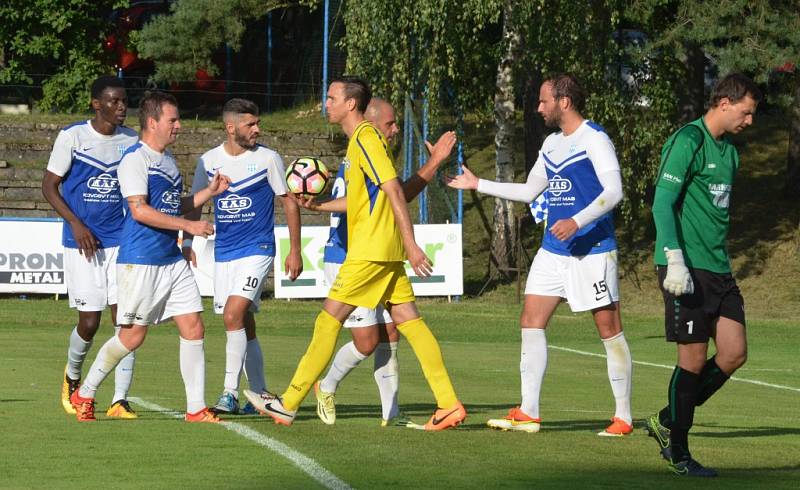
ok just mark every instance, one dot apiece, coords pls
pixel 701 299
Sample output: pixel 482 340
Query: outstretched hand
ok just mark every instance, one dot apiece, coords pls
pixel 444 145
pixel 466 180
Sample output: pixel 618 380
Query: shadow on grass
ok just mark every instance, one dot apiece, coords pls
pixel 735 432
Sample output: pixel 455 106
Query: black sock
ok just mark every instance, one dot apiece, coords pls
pixel 682 398
pixel 663 417
pixel 711 379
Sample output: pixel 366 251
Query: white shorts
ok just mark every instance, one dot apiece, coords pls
pixel 243 277
pixel 587 282
pixel 150 294
pixel 361 316
pixel 91 284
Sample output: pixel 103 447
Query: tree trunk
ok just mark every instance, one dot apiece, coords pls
pixel 504 234
pixel 792 187
pixel 693 100
pixel 535 130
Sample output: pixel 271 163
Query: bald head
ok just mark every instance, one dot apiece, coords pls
pixel 381 114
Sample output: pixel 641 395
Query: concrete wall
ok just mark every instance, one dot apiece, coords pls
pixel 25 149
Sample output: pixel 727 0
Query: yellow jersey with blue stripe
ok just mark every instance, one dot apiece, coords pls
pixel 372 233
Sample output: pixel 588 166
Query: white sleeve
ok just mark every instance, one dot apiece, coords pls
pixel 200 179
pixel 61 157
pixel 606 166
pixel 277 172
pixel 132 174
pixel 527 192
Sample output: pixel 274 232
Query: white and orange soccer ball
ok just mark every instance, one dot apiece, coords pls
pixel 307 175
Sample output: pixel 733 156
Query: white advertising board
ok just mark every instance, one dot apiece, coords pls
pixel 31 256
pixel 441 243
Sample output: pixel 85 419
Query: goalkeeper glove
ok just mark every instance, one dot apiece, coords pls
pixel 678 280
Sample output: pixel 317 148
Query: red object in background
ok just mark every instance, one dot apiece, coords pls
pixel 787 67
pixel 116 43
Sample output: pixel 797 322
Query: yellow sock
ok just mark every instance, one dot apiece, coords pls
pixel 426 348
pixel 317 356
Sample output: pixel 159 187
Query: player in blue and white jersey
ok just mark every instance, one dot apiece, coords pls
pixel 372 329
pixel 81 184
pixel 578 258
pixel 244 248
pixel 155 283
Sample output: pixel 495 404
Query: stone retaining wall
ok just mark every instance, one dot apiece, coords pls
pixel 25 149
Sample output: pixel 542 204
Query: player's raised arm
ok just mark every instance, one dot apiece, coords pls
pixel 526 192
pixel 439 153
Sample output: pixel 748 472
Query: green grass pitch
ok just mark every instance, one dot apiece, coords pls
pixel 749 432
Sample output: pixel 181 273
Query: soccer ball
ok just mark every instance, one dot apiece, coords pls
pixel 307 175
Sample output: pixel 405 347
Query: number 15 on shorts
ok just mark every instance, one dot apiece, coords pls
pixel 600 290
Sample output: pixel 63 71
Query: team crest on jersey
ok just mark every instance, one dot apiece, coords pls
pixel 121 149
pixel 572 148
pixel 234 204
pixel 171 198
pixel 559 185
pixel 251 167
pixel 103 183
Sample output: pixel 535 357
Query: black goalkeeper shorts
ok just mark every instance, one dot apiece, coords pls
pixel 691 318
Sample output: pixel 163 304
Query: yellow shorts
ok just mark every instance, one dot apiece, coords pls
pixel 368 284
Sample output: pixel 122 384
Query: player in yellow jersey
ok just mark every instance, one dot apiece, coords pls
pixel 380 237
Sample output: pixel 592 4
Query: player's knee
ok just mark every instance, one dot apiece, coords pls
pixel 366 345
pixel 233 320
pixel 88 324
pixel 732 360
pixel 193 329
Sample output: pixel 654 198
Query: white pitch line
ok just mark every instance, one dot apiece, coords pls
pixel 652 364
pixel 306 464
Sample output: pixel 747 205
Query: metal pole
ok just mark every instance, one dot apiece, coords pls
pixel 268 97
pixel 422 158
pixel 409 138
pixel 460 163
pixel 325 57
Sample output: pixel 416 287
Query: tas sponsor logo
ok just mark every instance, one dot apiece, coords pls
pixel 103 183
pixel 559 185
pixel 671 178
pixel 171 198
pixel 234 204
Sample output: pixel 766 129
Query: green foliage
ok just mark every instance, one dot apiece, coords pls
pixel 185 41
pixel 429 45
pixel 60 39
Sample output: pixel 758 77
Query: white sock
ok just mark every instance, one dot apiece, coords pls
pixel 620 369
pixel 193 372
pixel 532 365
pixel 76 354
pixel 344 361
pixel 123 375
pixel 108 357
pixel 235 349
pixel 254 367
pixel 386 375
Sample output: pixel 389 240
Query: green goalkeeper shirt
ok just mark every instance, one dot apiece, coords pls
pixel 693 189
